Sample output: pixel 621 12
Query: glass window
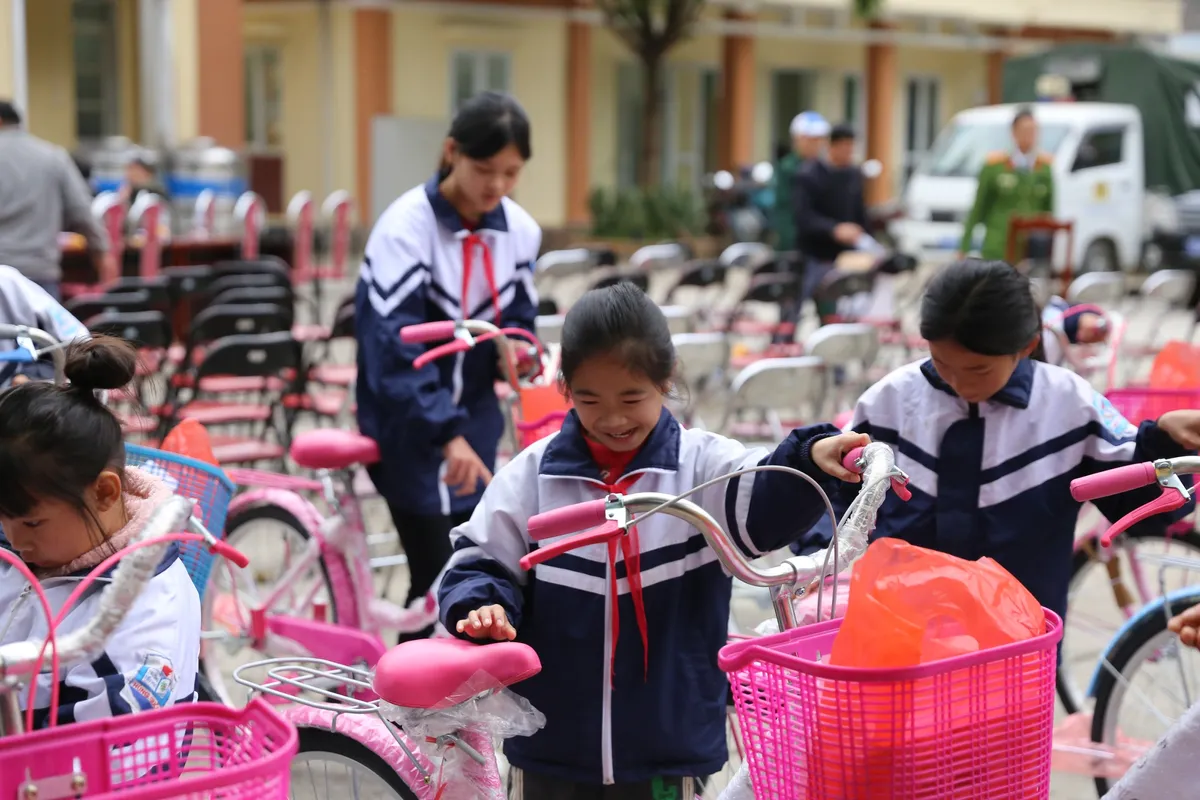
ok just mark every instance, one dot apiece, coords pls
pixel 1100 148
pixel 709 104
pixel 962 148
pixel 264 98
pixel 923 113
pixel 629 122
pixel 792 93
pixel 97 107
pixel 472 72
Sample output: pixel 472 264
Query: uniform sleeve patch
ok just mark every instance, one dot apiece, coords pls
pixel 1111 419
pixel 153 683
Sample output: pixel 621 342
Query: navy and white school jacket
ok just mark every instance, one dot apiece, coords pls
pixel 663 712
pixel 413 272
pixel 993 478
pixel 151 661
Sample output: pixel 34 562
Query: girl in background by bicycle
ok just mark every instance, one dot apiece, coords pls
pixel 455 248
pixel 640 715
pixel 991 438
pixel 68 502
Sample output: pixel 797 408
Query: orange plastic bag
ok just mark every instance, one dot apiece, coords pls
pixel 1177 366
pixel 909 606
pixel 189 438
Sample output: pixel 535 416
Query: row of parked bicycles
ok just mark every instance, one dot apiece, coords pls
pixel 265 626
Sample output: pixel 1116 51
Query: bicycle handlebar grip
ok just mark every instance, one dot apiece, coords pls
pixel 231 554
pixel 850 462
pixel 1113 481
pixel 457 346
pixel 569 519
pixel 427 332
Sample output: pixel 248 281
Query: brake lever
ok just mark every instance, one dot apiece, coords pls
pixel 1174 497
pixel 899 481
pixel 603 534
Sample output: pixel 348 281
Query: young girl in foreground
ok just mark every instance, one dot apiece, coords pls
pixel 991 439
pixel 67 502
pixel 646 710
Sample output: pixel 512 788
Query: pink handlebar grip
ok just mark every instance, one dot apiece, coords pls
pixel 850 462
pixel 427 332
pixel 569 519
pixel 1113 481
pixel 230 554
pixel 449 348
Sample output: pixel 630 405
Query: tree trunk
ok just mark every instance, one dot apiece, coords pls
pixel 649 170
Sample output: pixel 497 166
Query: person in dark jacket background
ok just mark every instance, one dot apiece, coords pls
pixel 454 248
pixel 831 215
pixel 810 133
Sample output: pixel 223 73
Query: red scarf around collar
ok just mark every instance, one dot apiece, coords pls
pixel 469 243
pixel 612 466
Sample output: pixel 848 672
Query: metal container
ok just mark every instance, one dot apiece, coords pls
pixel 107 160
pixel 203 165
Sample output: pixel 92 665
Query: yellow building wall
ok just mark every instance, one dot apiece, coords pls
pixel 422 46
pixel 295 32
pixel 51 59
pixel 7 90
pixel 129 86
pixel 185 55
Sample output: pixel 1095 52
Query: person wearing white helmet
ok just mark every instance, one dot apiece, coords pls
pixel 810 134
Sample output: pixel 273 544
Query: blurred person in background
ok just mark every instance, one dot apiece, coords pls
pixel 141 175
pixel 41 195
pixel 830 212
pixel 810 135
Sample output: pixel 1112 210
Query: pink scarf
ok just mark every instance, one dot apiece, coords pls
pixel 143 493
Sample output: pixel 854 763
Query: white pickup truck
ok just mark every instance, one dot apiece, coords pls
pixel 1099 185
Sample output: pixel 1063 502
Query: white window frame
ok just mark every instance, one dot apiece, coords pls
pixel 259 108
pixel 929 115
pixel 108 103
pixel 479 76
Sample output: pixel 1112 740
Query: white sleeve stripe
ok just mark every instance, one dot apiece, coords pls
pixel 384 306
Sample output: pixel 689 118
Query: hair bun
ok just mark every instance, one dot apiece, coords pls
pixel 102 362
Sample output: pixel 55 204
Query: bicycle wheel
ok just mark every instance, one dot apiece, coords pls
pixel 1093 613
pixel 225 642
pixel 330 765
pixel 1145 663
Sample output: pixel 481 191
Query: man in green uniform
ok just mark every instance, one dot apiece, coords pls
pixel 1018 183
pixel 810 134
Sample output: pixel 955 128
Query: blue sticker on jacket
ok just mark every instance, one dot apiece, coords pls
pixel 1111 419
pixel 153 685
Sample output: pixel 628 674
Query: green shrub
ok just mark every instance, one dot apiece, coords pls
pixel 660 212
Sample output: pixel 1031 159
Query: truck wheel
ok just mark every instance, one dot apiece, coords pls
pixel 1100 256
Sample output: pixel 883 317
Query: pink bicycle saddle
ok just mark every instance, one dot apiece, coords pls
pixel 439 673
pixel 329 448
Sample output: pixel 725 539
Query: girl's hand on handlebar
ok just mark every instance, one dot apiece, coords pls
pixel 1183 427
pixel 828 454
pixel 489 622
pixel 1187 626
pixel 17 380
pixel 464 468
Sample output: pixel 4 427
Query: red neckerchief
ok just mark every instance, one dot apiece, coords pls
pixel 469 242
pixel 612 467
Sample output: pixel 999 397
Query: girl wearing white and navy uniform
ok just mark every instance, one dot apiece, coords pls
pixel 24 302
pixel 991 439
pixel 455 248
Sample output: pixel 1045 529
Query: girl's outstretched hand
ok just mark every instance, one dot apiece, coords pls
pixel 489 622
pixel 1187 626
pixel 828 454
pixel 1183 427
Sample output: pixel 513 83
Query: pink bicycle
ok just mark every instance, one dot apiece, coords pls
pixel 421 726
pixel 192 750
pixel 319 569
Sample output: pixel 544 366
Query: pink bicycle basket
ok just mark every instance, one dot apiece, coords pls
pixel 191 750
pixel 1140 404
pixel 973 727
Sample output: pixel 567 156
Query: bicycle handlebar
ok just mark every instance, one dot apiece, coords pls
pixel 610 517
pixel 52 345
pixel 131 576
pixel 466 334
pixel 1165 472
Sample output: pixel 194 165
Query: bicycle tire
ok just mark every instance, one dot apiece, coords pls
pixel 320 740
pixel 1144 629
pixel 258 513
pixel 1080 562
